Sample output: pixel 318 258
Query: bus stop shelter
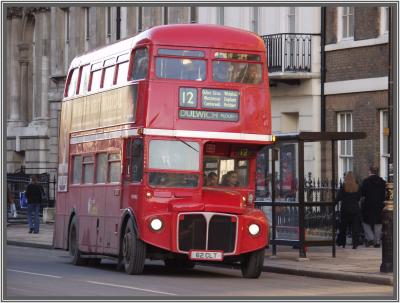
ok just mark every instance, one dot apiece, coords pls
pixel 301 213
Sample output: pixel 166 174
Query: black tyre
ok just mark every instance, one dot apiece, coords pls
pixel 176 264
pixel 252 264
pixel 133 251
pixel 73 244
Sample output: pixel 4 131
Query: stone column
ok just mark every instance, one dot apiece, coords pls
pixel 24 60
pixel 42 65
pixel 15 15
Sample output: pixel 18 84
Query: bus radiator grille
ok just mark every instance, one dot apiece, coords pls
pixel 221 233
pixel 192 232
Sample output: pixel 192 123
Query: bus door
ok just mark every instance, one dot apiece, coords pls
pixel 133 172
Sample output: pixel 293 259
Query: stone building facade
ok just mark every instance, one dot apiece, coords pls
pixel 356 87
pixel 41 43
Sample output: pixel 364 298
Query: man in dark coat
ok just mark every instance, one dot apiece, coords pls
pixel 34 194
pixel 373 190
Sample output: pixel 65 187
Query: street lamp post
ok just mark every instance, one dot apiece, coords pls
pixel 387 213
pixel 387 226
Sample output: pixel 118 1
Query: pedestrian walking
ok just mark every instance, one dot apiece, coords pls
pixel 373 193
pixel 350 213
pixel 34 193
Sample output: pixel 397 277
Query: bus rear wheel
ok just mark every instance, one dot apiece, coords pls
pixel 252 264
pixel 133 251
pixel 73 244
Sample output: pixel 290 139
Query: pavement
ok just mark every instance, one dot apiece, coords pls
pixel 358 265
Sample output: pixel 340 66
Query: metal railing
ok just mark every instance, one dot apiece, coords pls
pixel 17 182
pixel 288 52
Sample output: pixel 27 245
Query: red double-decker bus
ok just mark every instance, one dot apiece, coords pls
pixel 158 141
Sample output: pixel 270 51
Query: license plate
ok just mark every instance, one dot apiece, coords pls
pixel 206 255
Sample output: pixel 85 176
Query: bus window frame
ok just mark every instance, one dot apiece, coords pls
pixel 69 78
pixel 261 62
pixel 132 61
pixel 79 92
pixel 109 162
pixel 147 170
pixel 96 155
pixel 107 64
pixel 94 68
pixel 121 60
pixel 205 58
pixel 128 158
pixel 72 169
pixel 83 181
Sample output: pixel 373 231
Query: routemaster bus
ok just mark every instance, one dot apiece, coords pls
pixel 158 141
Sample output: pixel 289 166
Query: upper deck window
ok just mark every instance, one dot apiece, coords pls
pixel 237 56
pixel 122 68
pixel 182 69
pixel 84 83
pixel 238 72
pixel 95 81
pixel 109 71
pixel 181 53
pixel 140 64
pixel 72 82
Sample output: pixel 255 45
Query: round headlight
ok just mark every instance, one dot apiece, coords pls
pixel 254 229
pixel 156 224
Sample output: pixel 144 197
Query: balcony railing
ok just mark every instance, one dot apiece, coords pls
pixel 288 52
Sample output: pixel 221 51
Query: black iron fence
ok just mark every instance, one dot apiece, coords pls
pixel 321 216
pixel 289 52
pixel 17 183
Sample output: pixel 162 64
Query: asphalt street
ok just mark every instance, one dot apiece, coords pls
pixel 40 273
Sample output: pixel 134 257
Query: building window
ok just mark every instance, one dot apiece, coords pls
pixel 66 23
pixel 346 22
pixel 384 20
pixel 221 15
pixel 254 21
pixel 87 23
pixel 384 143
pixel 118 24
pixel 292 20
pixel 66 38
pixel 108 22
pixel 345 147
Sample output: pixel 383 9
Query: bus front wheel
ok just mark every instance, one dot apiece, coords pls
pixel 74 244
pixel 252 264
pixel 133 251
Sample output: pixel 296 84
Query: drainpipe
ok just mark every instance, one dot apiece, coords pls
pixel 322 71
